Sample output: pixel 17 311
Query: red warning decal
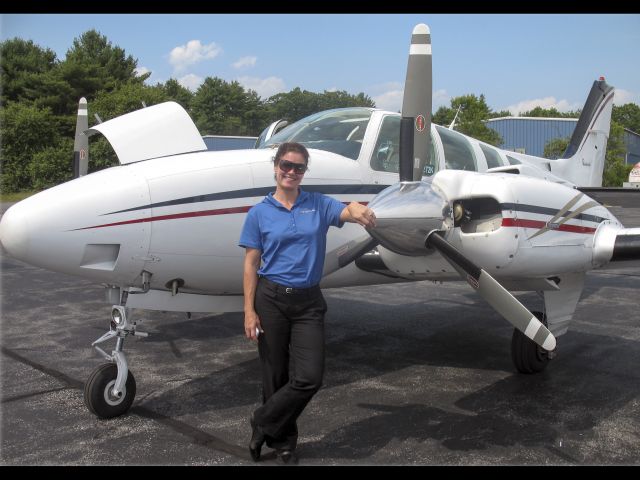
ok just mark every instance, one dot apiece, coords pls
pixel 420 123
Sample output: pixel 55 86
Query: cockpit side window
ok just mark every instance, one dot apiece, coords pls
pixel 386 153
pixel 491 156
pixel 458 153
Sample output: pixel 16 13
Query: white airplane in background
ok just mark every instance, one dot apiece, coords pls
pixel 161 229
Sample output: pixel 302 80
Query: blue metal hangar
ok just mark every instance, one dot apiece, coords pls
pixel 530 134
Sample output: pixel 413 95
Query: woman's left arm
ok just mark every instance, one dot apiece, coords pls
pixel 357 213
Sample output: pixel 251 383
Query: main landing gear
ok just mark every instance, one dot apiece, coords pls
pixel 111 387
pixel 527 356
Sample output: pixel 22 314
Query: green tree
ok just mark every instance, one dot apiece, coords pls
pixel 26 130
pixel 615 170
pixel 627 115
pixel 225 108
pixel 176 92
pixel 51 166
pixel 555 147
pixel 297 104
pixel 93 65
pixel 474 112
pixel 341 99
pixel 550 113
pixel 126 98
pixel 21 63
pixel 500 114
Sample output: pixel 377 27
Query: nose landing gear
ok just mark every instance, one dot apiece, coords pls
pixel 111 387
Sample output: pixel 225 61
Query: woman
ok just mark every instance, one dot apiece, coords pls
pixel 284 307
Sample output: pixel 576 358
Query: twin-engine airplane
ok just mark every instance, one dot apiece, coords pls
pixel 161 229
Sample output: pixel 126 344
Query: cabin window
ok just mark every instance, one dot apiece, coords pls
pixel 386 154
pixel 458 154
pixel 513 161
pixel 339 131
pixel 492 156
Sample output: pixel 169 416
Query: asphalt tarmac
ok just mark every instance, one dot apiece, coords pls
pixel 416 374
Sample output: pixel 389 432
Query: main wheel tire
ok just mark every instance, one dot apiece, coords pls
pixel 528 356
pixel 97 392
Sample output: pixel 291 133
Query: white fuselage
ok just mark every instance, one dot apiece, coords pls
pixel 180 217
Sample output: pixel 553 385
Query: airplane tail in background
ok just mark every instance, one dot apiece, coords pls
pixel 583 161
pixel 81 142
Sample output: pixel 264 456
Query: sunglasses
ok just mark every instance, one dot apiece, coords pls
pixel 286 166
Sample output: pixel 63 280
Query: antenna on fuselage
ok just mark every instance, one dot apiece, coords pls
pixel 453 123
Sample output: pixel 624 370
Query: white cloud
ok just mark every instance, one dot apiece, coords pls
pixel 390 100
pixel 622 96
pixel 264 87
pixel 191 53
pixel 191 81
pixel 139 71
pixel 392 93
pixel 245 62
pixel 388 96
pixel 546 102
pixel 440 99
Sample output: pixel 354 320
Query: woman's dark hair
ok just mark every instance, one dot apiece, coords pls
pixel 287 147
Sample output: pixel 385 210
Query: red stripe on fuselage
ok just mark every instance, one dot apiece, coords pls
pixel 518 222
pixel 203 213
pixel 175 216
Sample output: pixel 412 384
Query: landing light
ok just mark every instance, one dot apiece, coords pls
pixel 118 316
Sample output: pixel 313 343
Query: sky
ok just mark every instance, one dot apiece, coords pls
pixel 518 61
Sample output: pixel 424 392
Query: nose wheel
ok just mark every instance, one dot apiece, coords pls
pixel 99 393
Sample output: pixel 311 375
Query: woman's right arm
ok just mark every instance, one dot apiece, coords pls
pixel 250 283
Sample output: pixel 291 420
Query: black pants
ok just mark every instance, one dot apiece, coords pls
pixel 291 355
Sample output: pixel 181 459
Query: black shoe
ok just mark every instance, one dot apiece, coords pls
pixel 286 457
pixel 257 439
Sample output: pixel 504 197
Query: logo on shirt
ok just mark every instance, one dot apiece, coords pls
pixel 307 210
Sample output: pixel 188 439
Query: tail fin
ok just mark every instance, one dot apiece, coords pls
pixel 583 161
pixel 81 142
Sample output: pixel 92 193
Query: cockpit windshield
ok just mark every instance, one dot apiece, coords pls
pixel 339 131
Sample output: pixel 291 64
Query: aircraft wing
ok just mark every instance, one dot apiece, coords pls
pixel 614 197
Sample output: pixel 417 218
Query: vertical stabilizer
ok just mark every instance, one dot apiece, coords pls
pixel 81 142
pixel 583 161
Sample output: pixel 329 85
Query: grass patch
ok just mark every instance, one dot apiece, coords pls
pixel 15 197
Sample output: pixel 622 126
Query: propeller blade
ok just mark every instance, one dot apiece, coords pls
pixel 81 141
pixel 494 293
pixel 345 254
pixel 416 106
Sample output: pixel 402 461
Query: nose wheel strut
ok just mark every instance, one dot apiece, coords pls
pixel 111 387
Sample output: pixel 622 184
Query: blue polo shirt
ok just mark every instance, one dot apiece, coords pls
pixel 293 243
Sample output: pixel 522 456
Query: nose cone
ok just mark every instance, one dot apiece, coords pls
pixel 406 213
pixel 14 233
